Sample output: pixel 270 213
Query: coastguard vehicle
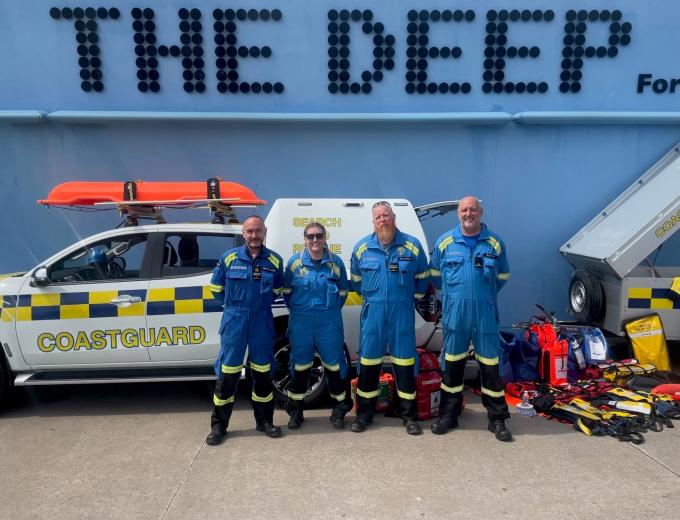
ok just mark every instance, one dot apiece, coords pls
pixel 545 110
pixel 133 304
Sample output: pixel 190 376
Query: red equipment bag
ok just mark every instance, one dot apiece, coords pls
pixel 541 334
pixel 552 363
pixel 428 385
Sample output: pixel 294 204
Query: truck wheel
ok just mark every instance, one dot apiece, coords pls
pixel 5 380
pixel 586 297
pixel 281 380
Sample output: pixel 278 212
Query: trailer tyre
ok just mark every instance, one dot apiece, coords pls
pixel 586 297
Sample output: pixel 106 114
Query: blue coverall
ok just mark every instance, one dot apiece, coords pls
pixel 247 287
pixel 388 281
pixel 470 281
pixel 315 294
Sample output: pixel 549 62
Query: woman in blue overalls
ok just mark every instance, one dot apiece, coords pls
pixel 315 288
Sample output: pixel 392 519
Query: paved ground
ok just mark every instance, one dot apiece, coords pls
pixel 138 451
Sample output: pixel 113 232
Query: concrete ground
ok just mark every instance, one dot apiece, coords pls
pixel 138 451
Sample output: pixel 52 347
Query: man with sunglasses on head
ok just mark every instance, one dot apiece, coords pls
pixel 470 265
pixel 390 271
pixel 246 279
pixel 315 288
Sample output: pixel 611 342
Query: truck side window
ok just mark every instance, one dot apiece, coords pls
pixel 196 253
pixel 112 259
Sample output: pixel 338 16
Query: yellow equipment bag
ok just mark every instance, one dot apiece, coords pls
pixel 649 342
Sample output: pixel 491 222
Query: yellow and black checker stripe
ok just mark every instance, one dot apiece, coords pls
pixel 97 304
pixel 69 306
pixel 181 300
pixel 648 298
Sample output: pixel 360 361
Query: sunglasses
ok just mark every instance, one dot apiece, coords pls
pixel 382 203
pixel 313 236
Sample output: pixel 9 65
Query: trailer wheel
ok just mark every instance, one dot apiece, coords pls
pixel 586 297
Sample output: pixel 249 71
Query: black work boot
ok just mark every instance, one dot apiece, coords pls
pixel 337 417
pixel 498 428
pixel 269 430
pixel 360 424
pixel 294 409
pixel 216 435
pixel 413 427
pixel 444 424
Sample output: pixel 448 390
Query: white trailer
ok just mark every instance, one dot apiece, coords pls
pixel 615 279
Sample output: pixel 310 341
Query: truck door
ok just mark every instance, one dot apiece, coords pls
pixel 180 308
pixel 92 310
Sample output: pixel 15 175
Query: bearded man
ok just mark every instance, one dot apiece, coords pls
pixel 389 269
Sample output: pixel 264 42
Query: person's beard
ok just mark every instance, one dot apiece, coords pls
pixel 386 234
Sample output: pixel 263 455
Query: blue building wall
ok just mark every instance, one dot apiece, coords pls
pixel 540 183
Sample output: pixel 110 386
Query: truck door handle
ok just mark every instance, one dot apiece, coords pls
pixel 125 300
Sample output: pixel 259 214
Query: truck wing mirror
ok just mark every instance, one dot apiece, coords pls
pixel 39 277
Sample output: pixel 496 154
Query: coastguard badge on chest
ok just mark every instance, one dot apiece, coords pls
pixel 257 274
pixel 401 250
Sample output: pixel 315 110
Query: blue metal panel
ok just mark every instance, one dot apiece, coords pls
pixel 543 164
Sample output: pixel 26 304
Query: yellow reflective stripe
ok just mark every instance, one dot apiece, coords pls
pixel 306 366
pixel 340 397
pixel 487 361
pixel 404 395
pixel 231 370
pixel 424 274
pixel 286 290
pixel 452 389
pixel 583 427
pixel 491 393
pixel 412 247
pixel 455 357
pixel 216 288
pixel 260 368
pixel 335 269
pixel 230 258
pixel 274 261
pixel 503 276
pixel 495 244
pixel 222 402
pixel 368 395
pixel 295 265
pixel 259 399
pixel 277 290
pixel 361 249
pixel 356 277
pixel 404 362
pixel 444 243
pixel 418 295
pixel 371 361
pixel 332 368
pixel 435 272
pixel 296 397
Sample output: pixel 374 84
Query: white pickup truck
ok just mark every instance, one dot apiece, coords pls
pixel 146 314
